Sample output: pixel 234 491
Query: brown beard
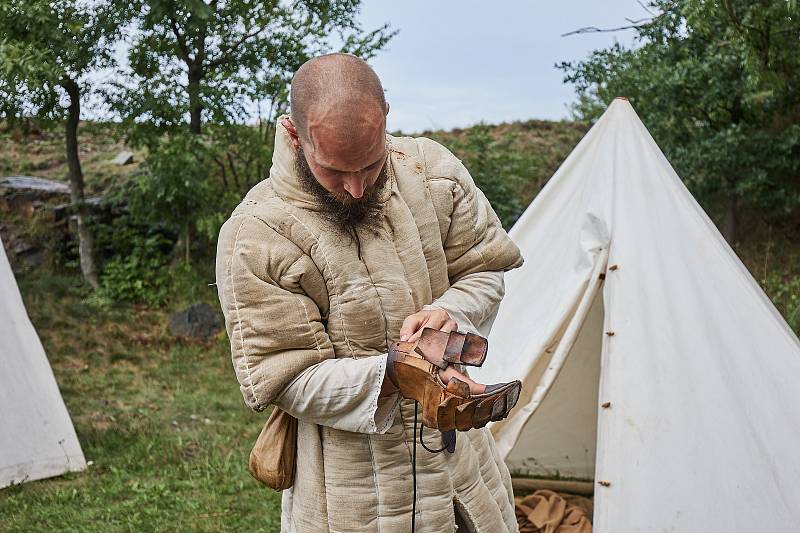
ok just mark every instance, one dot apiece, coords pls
pixel 362 212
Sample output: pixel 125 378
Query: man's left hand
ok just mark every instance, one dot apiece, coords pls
pixel 434 318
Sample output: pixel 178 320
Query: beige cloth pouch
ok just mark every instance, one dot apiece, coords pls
pixel 274 456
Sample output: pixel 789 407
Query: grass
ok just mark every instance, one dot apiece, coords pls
pixel 773 259
pixel 42 153
pixel 162 421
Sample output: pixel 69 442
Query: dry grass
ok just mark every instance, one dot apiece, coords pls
pixel 42 154
pixel 162 420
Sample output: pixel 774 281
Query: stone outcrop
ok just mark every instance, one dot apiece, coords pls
pixel 198 321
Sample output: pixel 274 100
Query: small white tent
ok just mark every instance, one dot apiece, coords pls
pixel 37 439
pixel 652 362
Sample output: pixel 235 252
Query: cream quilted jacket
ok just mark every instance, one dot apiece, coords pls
pixel 295 294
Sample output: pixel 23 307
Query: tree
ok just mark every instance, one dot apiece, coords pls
pixel 213 61
pixel 173 189
pixel 718 85
pixel 205 67
pixel 47 51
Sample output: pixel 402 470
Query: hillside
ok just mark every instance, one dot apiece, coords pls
pixel 41 153
pixel 541 144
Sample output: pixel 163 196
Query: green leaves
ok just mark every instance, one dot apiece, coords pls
pixel 174 184
pixel 217 61
pixel 497 166
pixel 46 42
pixel 717 85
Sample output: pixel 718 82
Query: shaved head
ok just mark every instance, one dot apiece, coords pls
pixel 338 130
pixel 337 92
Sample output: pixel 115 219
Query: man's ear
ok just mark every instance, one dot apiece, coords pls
pixel 387 108
pixel 292 131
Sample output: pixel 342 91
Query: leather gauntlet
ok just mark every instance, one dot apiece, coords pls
pixel 413 367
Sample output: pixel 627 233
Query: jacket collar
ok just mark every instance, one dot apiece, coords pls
pixel 286 181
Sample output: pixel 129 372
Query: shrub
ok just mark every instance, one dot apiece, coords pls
pixel 142 275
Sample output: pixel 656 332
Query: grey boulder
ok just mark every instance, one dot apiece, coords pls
pixel 198 321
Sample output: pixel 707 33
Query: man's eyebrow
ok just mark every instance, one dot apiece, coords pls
pixel 371 164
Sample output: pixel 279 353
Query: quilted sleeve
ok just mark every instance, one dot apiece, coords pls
pixel 473 237
pixel 280 350
pixel 473 301
pixel 275 328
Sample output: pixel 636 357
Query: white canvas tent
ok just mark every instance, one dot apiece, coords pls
pixel 37 439
pixel 651 360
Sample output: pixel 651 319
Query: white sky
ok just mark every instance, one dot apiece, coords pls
pixel 458 62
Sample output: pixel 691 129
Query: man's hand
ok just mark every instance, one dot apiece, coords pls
pixel 438 319
pixel 412 330
pixel 435 318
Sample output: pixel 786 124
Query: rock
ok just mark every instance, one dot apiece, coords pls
pixel 30 184
pixel 124 158
pixel 26 194
pixel 32 260
pixel 21 247
pixel 23 255
pixel 198 321
pixel 60 211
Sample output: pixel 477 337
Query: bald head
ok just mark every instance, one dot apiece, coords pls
pixel 338 130
pixel 337 92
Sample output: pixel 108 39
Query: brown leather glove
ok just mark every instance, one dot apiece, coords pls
pixel 413 367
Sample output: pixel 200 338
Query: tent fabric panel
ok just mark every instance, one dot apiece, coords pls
pixel 701 371
pixel 559 438
pixel 37 438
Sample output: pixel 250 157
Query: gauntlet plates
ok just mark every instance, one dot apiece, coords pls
pixel 413 367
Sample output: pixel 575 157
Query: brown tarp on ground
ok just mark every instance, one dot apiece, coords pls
pixel 546 511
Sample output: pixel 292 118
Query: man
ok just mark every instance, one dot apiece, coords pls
pixel 359 239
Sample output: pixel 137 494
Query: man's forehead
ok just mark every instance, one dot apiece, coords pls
pixel 347 143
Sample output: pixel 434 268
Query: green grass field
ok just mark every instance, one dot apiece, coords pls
pixel 162 421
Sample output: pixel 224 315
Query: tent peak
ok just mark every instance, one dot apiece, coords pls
pixel 621 98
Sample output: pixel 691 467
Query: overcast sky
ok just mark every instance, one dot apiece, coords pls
pixel 457 62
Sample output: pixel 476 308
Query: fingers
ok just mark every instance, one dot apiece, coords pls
pixel 437 318
pixel 450 325
pixel 450 371
pixel 413 325
pixel 415 337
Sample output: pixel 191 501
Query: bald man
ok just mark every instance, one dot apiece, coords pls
pixel 359 239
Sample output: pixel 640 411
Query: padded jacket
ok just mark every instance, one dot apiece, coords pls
pixel 296 292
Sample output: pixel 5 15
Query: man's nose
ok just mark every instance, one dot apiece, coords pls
pixel 355 186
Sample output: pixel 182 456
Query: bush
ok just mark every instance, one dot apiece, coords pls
pixel 496 168
pixel 169 211
pixel 785 294
pixel 142 275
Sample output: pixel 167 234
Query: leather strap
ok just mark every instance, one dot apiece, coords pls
pixel 390 359
pixel 449 440
pixel 455 343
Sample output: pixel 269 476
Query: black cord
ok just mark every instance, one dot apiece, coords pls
pixel 414 473
pixel 443 448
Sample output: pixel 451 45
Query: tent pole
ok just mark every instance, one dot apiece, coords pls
pixel 584 488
